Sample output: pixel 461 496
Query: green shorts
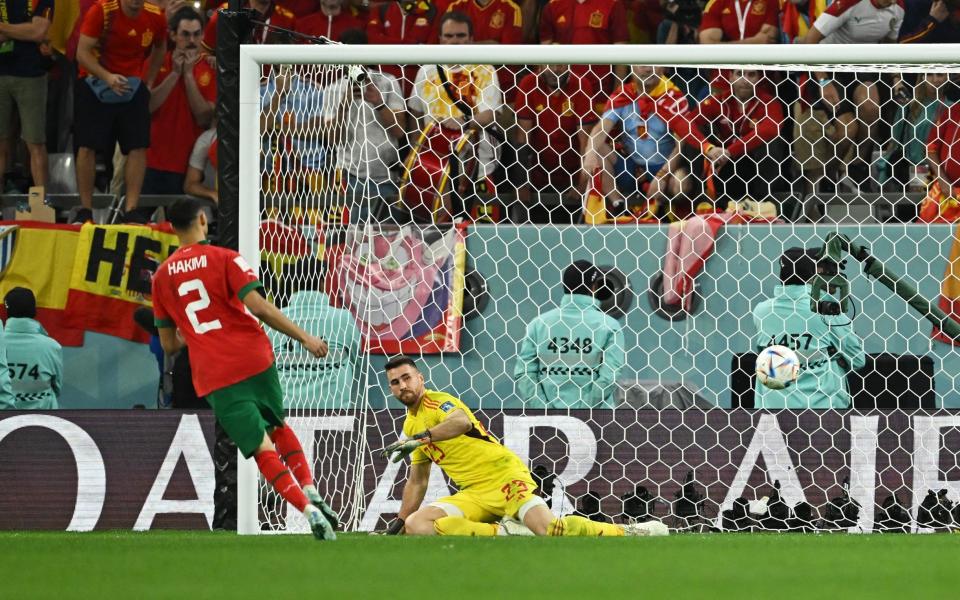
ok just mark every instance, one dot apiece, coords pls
pixel 29 94
pixel 247 408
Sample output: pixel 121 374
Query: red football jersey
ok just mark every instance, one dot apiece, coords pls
pixel 944 143
pixel 173 129
pixel 199 290
pixel 558 115
pixel 126 41
pixel 739 128
pixel 587 22
pixel 499 21
pixel 739 19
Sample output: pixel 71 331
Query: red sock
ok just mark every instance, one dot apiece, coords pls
pixel 290 450
pixel 279 477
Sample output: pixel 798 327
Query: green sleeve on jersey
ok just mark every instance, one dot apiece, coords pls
pixel 253 285
pixel 164 323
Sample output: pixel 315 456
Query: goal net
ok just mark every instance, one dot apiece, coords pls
pixel 722 206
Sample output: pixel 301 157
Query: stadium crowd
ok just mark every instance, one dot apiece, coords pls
pixel 132 97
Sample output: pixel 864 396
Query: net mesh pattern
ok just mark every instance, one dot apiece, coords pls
pixel 439 211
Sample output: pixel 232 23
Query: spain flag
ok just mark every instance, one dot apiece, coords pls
pixel 40 257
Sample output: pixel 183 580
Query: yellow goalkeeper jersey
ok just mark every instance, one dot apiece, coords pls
pixel 469 459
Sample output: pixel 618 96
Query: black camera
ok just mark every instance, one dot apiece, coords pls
pixel 685 12
pixel 837 285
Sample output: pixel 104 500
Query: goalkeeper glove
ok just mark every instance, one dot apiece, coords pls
pixel 395 527
pixel 402 448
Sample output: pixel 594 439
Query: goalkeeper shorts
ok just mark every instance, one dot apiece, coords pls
pixel 247 408
pixel 489 502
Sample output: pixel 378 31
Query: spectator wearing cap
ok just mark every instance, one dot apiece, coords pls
pixel 571 355
pixel 111 101
pixel 34 359
pixel 826 345
pixel 181 105
pixel 307 382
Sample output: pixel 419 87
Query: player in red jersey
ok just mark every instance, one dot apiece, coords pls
pixel 208 298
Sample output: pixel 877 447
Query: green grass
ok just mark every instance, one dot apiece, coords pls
pixel 193 565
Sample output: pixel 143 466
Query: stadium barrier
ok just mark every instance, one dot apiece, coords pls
pixel 85 470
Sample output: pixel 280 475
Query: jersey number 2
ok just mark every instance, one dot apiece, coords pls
pixel 195 285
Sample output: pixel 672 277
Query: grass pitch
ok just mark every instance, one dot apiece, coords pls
pixel 167 564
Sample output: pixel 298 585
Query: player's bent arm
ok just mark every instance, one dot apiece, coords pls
pixel 264 310
pixel 415 489
pixel 456 424
pixel 88 60
pixel 169 341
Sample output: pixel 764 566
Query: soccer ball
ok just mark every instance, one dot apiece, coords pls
pixel 777 367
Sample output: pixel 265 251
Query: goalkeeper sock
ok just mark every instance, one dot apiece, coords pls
pixel 461 526
pixel 290 450
pixel 579 526
pixel 279 477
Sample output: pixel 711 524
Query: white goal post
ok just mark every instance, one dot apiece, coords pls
pixel 673 352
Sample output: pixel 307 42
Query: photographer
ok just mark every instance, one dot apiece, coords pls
pixel 364 116
pixel 826 344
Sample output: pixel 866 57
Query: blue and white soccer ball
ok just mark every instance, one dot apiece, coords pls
pixel 777 367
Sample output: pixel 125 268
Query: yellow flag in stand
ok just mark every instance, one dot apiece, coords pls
pixel 65 15
pixel 40 257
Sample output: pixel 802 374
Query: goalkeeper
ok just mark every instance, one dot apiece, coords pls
pixel 826 344
pixel 493 481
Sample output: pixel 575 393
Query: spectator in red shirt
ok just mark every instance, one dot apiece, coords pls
pixel 181 104
pixel 494 21
pixel 943 151
pixel 587 22
pixel 330 21
pixel 737 131
pixel 554 114
pixel 405 23
pixel 110 100
pixel 739 22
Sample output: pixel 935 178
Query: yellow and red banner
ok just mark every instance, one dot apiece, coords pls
pixel 40 256
pixel 111 276
pixel 89 278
